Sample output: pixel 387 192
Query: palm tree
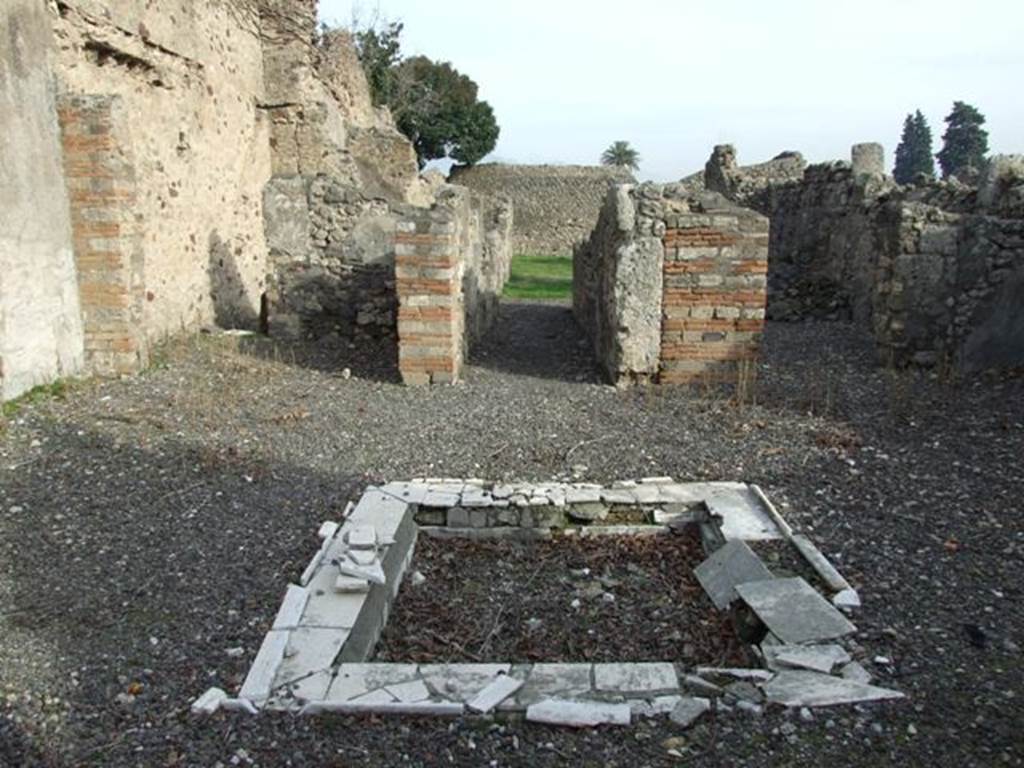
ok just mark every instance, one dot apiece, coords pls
pixel 622 155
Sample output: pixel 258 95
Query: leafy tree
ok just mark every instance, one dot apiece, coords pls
pixel 914 153
pixel 380 49
pixel 437 108
pixel 965 142
pixel 433 104
pixel 622 155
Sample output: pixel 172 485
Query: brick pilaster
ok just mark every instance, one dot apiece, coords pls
pixel 101 187
pixel 428 280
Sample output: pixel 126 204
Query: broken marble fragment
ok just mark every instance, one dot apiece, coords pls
pixel 689 711
pixel 794 611
pixel 817 658
pixel 495 693
pixel 799 688
pixel 578 714
pixel 732 564
pixel 209 702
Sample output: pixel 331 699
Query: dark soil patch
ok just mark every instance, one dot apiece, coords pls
pixel 637 598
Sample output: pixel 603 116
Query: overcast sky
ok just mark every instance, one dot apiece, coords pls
pixel 566 78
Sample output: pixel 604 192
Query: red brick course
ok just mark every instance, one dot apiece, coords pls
pixel 708 326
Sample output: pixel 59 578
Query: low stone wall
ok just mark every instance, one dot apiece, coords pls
pixel 670 287
pixel 451 264
pixel 41 336
pixel 556 206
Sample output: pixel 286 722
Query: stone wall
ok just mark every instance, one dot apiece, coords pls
pixel 341 175
pixel 451 264
pixel 172 90
pixel 556 206
pixel 670 287
pixel 40 323
pixel 934 270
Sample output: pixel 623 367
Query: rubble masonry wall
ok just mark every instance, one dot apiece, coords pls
pixel 670 287
pixel 934 271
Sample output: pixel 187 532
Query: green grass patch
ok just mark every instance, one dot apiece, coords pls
pixel 57 390
pixel 540 277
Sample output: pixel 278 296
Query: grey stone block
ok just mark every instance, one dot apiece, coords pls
pixel 733 564
pixel 578 714
pixel 794 611
pixel 689 711
pixel 811 689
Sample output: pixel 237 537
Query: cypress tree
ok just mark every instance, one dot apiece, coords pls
pixel 914 153
pixel 965 142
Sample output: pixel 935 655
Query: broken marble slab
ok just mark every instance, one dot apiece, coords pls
pixel 741 512
pixel 310 687
pixel 567 681
pixel 578 714
pixel 292 607
pixel 379 696
pixel 794 611
pixel 659 705
pixel 816 658
pixel 327 607
pixel 494 694
pixel 799 688
pixel 618 496
pixel 476 497
pixel 461 682
pixel 260 679
pixel 355 680
pixel 856 672
pixel 309 650
pixel 409 693
pixel 689 710
pixel 735 563
pixel 636 678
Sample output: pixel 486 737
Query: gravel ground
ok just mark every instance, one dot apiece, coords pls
pixel 570 600
pixel 148 528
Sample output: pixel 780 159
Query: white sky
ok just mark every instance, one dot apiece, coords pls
pixel 566 78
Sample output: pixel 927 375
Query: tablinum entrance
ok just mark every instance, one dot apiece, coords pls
pixel 538 338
